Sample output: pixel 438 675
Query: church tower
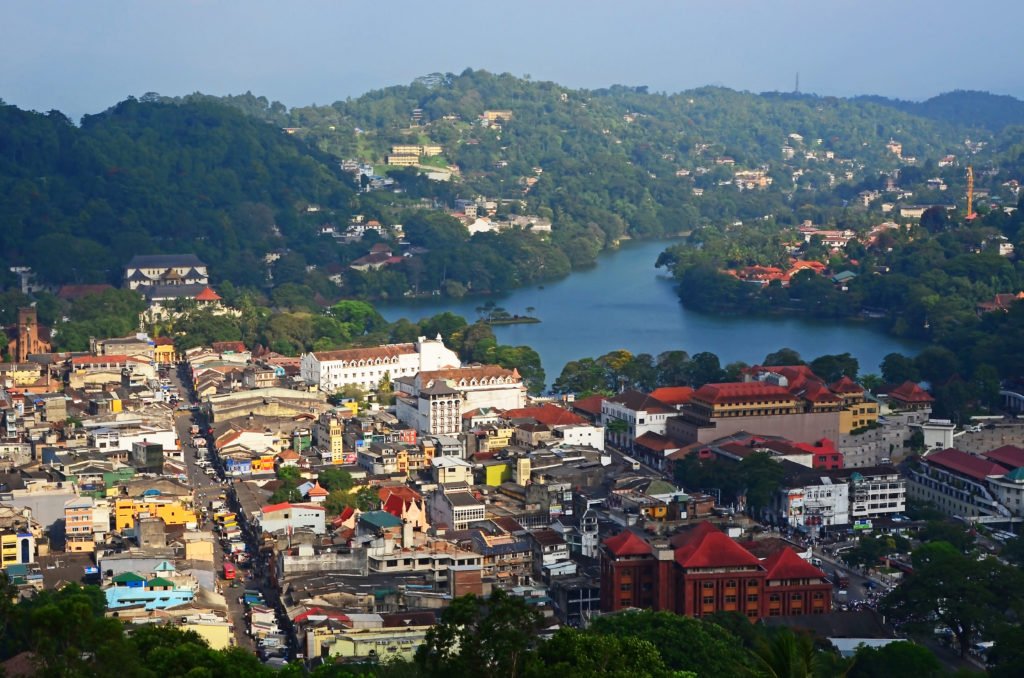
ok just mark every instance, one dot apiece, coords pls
pixel 28 333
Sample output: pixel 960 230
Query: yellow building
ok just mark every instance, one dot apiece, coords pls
pixel 164 352
pixel 857 411
pixel 402 160
pixel 494 116
pixel 17 548
pixel 430 150
pixel 497 473
pixel 382 643
pixel 405 149
pixel 172 512
pixel 214 630
pixel 21 374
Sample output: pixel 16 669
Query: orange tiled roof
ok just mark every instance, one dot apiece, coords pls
pixel 740 392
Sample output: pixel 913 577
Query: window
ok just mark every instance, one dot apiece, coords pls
pixel 709 600
pixel 752 598
pixel 709 585
pixel 626 587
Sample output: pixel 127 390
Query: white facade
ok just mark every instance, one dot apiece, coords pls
pixel 434 401
pixel 454 507
pixel 582 434
pixel 639 415
pixel 365 367
pixel 451 470
pixel 282 517
pixel 818 505
pixel 876 493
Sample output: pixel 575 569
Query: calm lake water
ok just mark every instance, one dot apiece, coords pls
pixel 624 302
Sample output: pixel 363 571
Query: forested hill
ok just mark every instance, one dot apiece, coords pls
pixel 962 107
pixel 218 176
pixel 78 202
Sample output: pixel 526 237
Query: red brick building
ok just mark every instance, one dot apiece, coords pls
pixel 702 571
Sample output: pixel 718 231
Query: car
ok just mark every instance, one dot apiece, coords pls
pixel 209 470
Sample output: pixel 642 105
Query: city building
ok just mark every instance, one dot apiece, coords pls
pixel 433 401
pixel 165 269
pixel 702 571
pixel 365 367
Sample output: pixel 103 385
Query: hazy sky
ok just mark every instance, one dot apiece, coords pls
pixel 81 56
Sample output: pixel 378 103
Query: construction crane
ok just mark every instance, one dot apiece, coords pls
pixel 970 194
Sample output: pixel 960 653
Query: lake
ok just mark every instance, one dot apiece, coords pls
pixel 624 302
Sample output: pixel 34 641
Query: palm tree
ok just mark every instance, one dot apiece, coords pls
pixel 784 654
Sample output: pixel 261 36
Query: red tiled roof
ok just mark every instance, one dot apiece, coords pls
pixel 786 564
pixel 713 548
pixel 468 373
pixel 673 395
pixel 657 442
pixel 909 392
pixel 590 404
pixel 317 490
pixel 846 385
pixel 627 543
pixel 817 392
pixel 964 463
pixel 350 354
pixel 207 295
pixel 403 491
pixel 641 402
pixel 547 414
pixel 740 392
pixel 272 508
pixel 1008 455
pixel 288 454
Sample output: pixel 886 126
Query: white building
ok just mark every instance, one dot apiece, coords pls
pixel 631 414
pixel 165 269
pixel 284 517
pixel 819 498
pixel 581 434
pixel 454 506
pixel 433 401
pixel 365 367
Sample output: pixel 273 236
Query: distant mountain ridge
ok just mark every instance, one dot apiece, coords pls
pixel 969 108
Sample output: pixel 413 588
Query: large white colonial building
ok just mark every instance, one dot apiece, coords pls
pixel 433 401
pixel 365 367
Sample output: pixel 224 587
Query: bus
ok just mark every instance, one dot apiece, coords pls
pixel 840 579
pixel 229 571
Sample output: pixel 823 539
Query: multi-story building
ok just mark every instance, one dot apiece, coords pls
pixel 366 367
pixel 171 511
pixel 960 484
pixel 718 410
pixel 86 523
pixel 630 415
pixel 165 269
pixel 290 517
pixel 702 571
pixel 455 506
pixel 17 536
pixel 433 401
pixel 328 436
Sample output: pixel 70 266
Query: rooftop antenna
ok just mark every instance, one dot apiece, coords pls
pixel 797 90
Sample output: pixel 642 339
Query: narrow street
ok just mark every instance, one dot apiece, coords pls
pixel 207 488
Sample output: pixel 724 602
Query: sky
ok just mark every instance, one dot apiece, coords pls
pixel 82 56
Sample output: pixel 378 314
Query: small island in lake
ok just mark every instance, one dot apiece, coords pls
pixel 496 315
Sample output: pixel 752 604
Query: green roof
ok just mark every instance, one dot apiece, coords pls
pixel 380 519
pixel 159 581
pixel 126 577
pixel 1016 475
